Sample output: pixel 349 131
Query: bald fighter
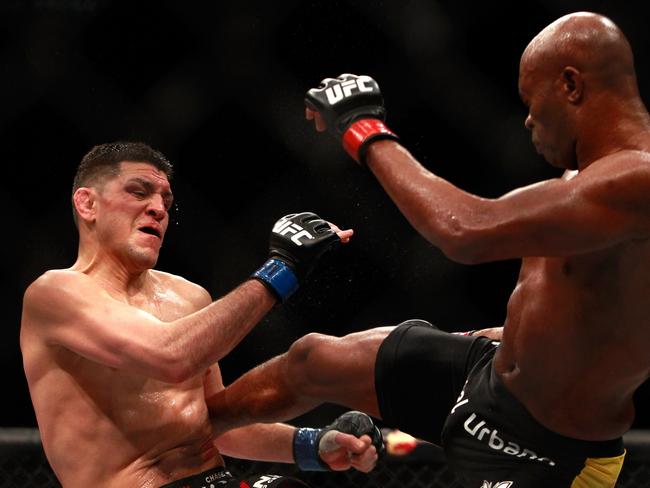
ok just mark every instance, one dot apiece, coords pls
pixel 120 357
pixel 549 403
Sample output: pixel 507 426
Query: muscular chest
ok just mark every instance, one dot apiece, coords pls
pixel 604 269
pixel 605 287
pixel 166 305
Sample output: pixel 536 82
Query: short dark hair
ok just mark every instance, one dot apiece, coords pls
pixel 104 160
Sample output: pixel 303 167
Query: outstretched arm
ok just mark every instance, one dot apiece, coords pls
pixel 70 309
pixel 274 443
pixel 605 204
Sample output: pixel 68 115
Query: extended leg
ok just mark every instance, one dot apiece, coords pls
pixel 316 369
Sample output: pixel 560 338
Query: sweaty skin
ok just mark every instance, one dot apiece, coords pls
pixel 103 426
pixel 576 338
pixel 582 289
pixel 119 358
pixel 109 369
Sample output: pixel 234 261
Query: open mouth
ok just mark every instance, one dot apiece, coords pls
pixel 150 231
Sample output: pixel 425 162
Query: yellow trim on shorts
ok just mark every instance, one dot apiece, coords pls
pixel 599 472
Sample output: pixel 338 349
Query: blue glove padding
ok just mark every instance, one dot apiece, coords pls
pixel 306 441
pixel 305 450
pixel 279 277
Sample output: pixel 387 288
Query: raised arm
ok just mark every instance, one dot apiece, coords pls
pixel 606 203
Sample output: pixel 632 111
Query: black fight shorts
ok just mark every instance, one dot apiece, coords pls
pixel 219 477
pixel 440 387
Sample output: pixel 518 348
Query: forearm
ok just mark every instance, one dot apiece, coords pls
pixel 261 442
pixel 200 339
pixel 455 221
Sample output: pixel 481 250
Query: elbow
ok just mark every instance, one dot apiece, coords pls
pixel 175 362
pixel 165 364
pixel 175 376
pixel 158 357
pixel 470 236
pixel 457 235
pixel 174 368
pixel 461 255
pixel 465 246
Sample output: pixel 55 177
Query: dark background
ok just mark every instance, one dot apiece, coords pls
pixel 220 90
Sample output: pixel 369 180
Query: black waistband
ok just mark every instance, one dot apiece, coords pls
pixel 216 476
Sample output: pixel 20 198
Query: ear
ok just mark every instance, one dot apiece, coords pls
pixel 572 84
pixel 84 203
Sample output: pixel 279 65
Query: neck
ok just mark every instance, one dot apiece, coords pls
pixel 116 276
pixel 626 127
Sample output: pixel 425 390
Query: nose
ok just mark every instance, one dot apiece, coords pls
pixel 528 123
pixel 156 208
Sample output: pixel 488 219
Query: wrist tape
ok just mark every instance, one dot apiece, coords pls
pixel 359 134
pixel 305 450
pixel 278 277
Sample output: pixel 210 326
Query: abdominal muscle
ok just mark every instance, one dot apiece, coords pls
pixel 573 360
pixel 578 402
pixel 110 429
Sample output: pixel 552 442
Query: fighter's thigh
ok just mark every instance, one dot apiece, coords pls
pixel 420 372
pixel 338 369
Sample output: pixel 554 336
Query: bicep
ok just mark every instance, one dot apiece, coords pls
pixel 564 217
pixel 76 315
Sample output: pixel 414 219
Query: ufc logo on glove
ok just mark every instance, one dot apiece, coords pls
pixel 338 92
pixel 285 226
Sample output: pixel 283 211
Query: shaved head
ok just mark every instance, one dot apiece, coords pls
pixel 576 72
pixel 589 42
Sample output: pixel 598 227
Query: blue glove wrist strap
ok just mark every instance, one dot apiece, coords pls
pixel 279 277
pixel 305 450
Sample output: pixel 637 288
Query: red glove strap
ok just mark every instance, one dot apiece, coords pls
pixel 363 131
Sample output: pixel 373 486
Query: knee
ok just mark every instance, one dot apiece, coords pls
pixel 304 360
pixel 304 350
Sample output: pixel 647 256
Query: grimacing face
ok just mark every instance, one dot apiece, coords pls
pixel 132 213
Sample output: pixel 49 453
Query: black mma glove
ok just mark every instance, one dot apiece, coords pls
pixel 353 109
pixel 297 241
pixel 308 442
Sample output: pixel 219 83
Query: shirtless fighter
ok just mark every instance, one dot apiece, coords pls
pixel 120 357
pixel 546 406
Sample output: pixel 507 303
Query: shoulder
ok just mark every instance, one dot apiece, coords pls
pixel 622 174
pixel 53 282
pixel 56 293
pixel 188 290
pixel 619 183
pixel 620 163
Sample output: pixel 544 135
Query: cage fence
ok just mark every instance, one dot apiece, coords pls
pixel 23 465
